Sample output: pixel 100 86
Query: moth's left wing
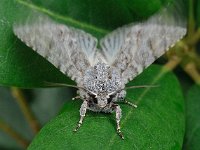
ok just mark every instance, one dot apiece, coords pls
pixel 133 48
pixel 71 50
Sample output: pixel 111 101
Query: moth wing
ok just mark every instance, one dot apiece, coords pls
pixel 133 48
pixel 71 50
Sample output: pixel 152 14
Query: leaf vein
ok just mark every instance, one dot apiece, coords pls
pixel 64 18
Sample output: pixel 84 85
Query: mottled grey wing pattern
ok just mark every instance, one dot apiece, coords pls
pixel 70 50
pixel 133 48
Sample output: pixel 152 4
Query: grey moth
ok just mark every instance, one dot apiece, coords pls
pixel 101 74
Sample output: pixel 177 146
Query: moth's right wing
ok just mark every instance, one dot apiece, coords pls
pixel 133 48
pixel 71 50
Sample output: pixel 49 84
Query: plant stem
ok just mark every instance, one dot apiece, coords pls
pixel 192 71
pixel 21 100
pixel 197 61
pixel 191 20
pixel 195 38
pixel 7 129
pixel 173 62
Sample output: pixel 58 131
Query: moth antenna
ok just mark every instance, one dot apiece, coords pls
pixel 62 84
pixel 141 86
pixel 68 85
pixel 134 87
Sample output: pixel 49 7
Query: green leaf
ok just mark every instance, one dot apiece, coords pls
pixel 157 123
pixel 192 136
pixel 20 66
pixel 115 12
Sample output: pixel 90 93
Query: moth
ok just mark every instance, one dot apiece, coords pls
pixel 101 73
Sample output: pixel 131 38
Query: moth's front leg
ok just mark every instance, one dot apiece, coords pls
pixel 82 114
pixel 129 103
pixel 118 112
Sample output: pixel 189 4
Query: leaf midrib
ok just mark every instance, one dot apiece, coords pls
pixel 67 19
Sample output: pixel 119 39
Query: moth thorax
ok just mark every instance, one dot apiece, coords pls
pixel 102 78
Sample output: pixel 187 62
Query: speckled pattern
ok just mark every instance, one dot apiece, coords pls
pixel 101 74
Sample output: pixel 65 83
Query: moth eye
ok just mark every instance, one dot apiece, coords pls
pixel 110 98
pixel 93 98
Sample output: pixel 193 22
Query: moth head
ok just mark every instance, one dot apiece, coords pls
pixel 101 99
pixel 102 102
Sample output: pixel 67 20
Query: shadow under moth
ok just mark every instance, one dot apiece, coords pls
pixel 102 73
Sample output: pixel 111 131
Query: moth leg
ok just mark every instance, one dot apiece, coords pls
pixel 129 103
pixel 118 112
pixel 76 97
pixel 82 114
